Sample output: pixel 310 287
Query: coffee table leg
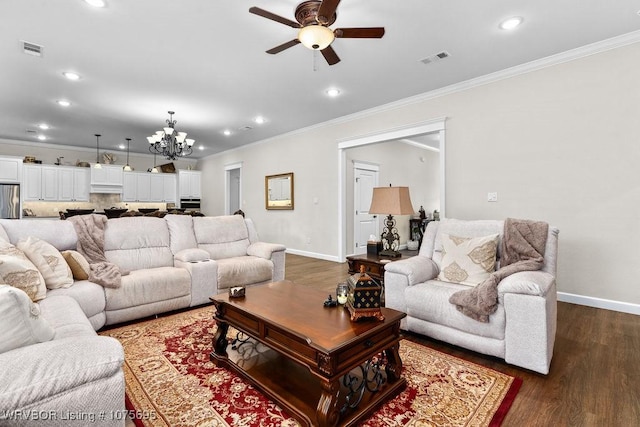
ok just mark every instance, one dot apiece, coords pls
pixel 327 411
pixel 220 340
pixel 394 363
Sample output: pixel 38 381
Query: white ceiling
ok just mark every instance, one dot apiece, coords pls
pixel 206 61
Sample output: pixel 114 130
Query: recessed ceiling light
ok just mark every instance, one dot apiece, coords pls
pixel 511 23
pixel 122 146
pixel 96 3
pixel 71 75
pixel 227 132
pixel 259 120
pixel 63 103
pixel 42 137
pixel 333 92
pixel 43 126
pixel 201 147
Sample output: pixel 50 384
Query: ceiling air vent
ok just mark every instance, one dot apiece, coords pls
pixel 435 58
pixel 31 49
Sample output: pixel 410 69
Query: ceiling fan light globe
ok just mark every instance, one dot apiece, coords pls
pixel 315 37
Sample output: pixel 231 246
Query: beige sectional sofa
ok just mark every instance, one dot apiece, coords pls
pixel 168 263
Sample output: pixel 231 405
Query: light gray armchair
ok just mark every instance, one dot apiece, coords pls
pixel 521 331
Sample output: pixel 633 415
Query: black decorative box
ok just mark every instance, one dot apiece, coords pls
pixel 364 296
pixel 374 248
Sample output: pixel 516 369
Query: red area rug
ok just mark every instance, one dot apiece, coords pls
pixel 171 382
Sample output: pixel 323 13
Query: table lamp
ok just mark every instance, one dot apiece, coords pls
pixel 391 201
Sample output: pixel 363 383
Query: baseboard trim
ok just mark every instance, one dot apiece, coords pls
pixel 607 304
pixel 312 255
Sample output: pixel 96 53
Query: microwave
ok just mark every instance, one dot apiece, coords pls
pixel 190 204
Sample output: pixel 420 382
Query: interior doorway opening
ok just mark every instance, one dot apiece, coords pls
pixel 233 186
pixel 428 135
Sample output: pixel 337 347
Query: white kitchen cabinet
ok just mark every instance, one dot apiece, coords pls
pixel 40 183
pixel 106 179
pixel 189 184
pixel 10 170
pixel 136 187
pixel 163 188
pixel 73 184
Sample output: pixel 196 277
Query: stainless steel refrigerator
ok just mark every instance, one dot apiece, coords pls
pixel 10 201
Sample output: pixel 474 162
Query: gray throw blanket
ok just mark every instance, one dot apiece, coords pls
pixel 90 231
pixel 523 245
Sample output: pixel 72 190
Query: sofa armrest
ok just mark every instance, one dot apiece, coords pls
pixel 264 250
pixel 535 283
pixel 191 255
pixel 42 371
pixel 418 269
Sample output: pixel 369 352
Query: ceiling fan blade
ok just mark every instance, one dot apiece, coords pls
pixel 283 46
pixel 326 10
pixel 359 33
pixel 330 55
pixel 273 17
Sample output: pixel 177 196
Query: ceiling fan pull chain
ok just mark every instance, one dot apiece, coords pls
pixel 315 60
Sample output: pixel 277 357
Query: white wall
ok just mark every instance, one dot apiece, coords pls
pixel 560 144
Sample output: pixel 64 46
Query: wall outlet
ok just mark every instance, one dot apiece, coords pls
pixel 492 197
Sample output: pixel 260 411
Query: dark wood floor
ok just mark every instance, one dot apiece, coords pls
pixel 595 372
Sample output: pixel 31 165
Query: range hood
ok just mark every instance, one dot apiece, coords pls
pixel 106 179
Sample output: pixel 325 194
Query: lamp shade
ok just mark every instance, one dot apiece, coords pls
pixel 391 201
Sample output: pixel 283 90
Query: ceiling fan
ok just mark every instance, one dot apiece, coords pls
pixel 314 18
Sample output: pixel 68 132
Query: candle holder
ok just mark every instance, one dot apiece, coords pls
pixel 342 291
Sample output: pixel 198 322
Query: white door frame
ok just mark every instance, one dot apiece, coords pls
pixel 430 126
pixel 227 183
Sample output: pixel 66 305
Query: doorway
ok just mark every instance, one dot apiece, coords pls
pixel 233 178
pixel 436 131
pixel 365 224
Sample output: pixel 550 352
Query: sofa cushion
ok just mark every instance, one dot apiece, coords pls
pixel 222 236
pixel 244 270
pixel 467 260
pixel 18 271
pixel 66 317
pixel 48 260
pixel 147 286
pixel 135 243
pixel 21 322
pixel 78 264
pixel 89 296
pixel 181 232
pixel 61 234
pixel 430 301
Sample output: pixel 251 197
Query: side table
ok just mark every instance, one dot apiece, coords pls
pixel 374 264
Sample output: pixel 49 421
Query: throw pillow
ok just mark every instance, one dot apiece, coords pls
pixel 20 321
pixel 49 262
pixel 78 264
pixel 16 270
pixel 466 260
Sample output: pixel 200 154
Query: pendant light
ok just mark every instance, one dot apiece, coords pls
pixel 154 169
pixel 97 165
pixel 126 167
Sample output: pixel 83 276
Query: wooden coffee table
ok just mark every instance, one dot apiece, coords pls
pixel 308 358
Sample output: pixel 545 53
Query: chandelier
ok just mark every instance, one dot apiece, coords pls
pixel 169 143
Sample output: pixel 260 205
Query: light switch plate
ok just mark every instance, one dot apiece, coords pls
pixel 492 197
